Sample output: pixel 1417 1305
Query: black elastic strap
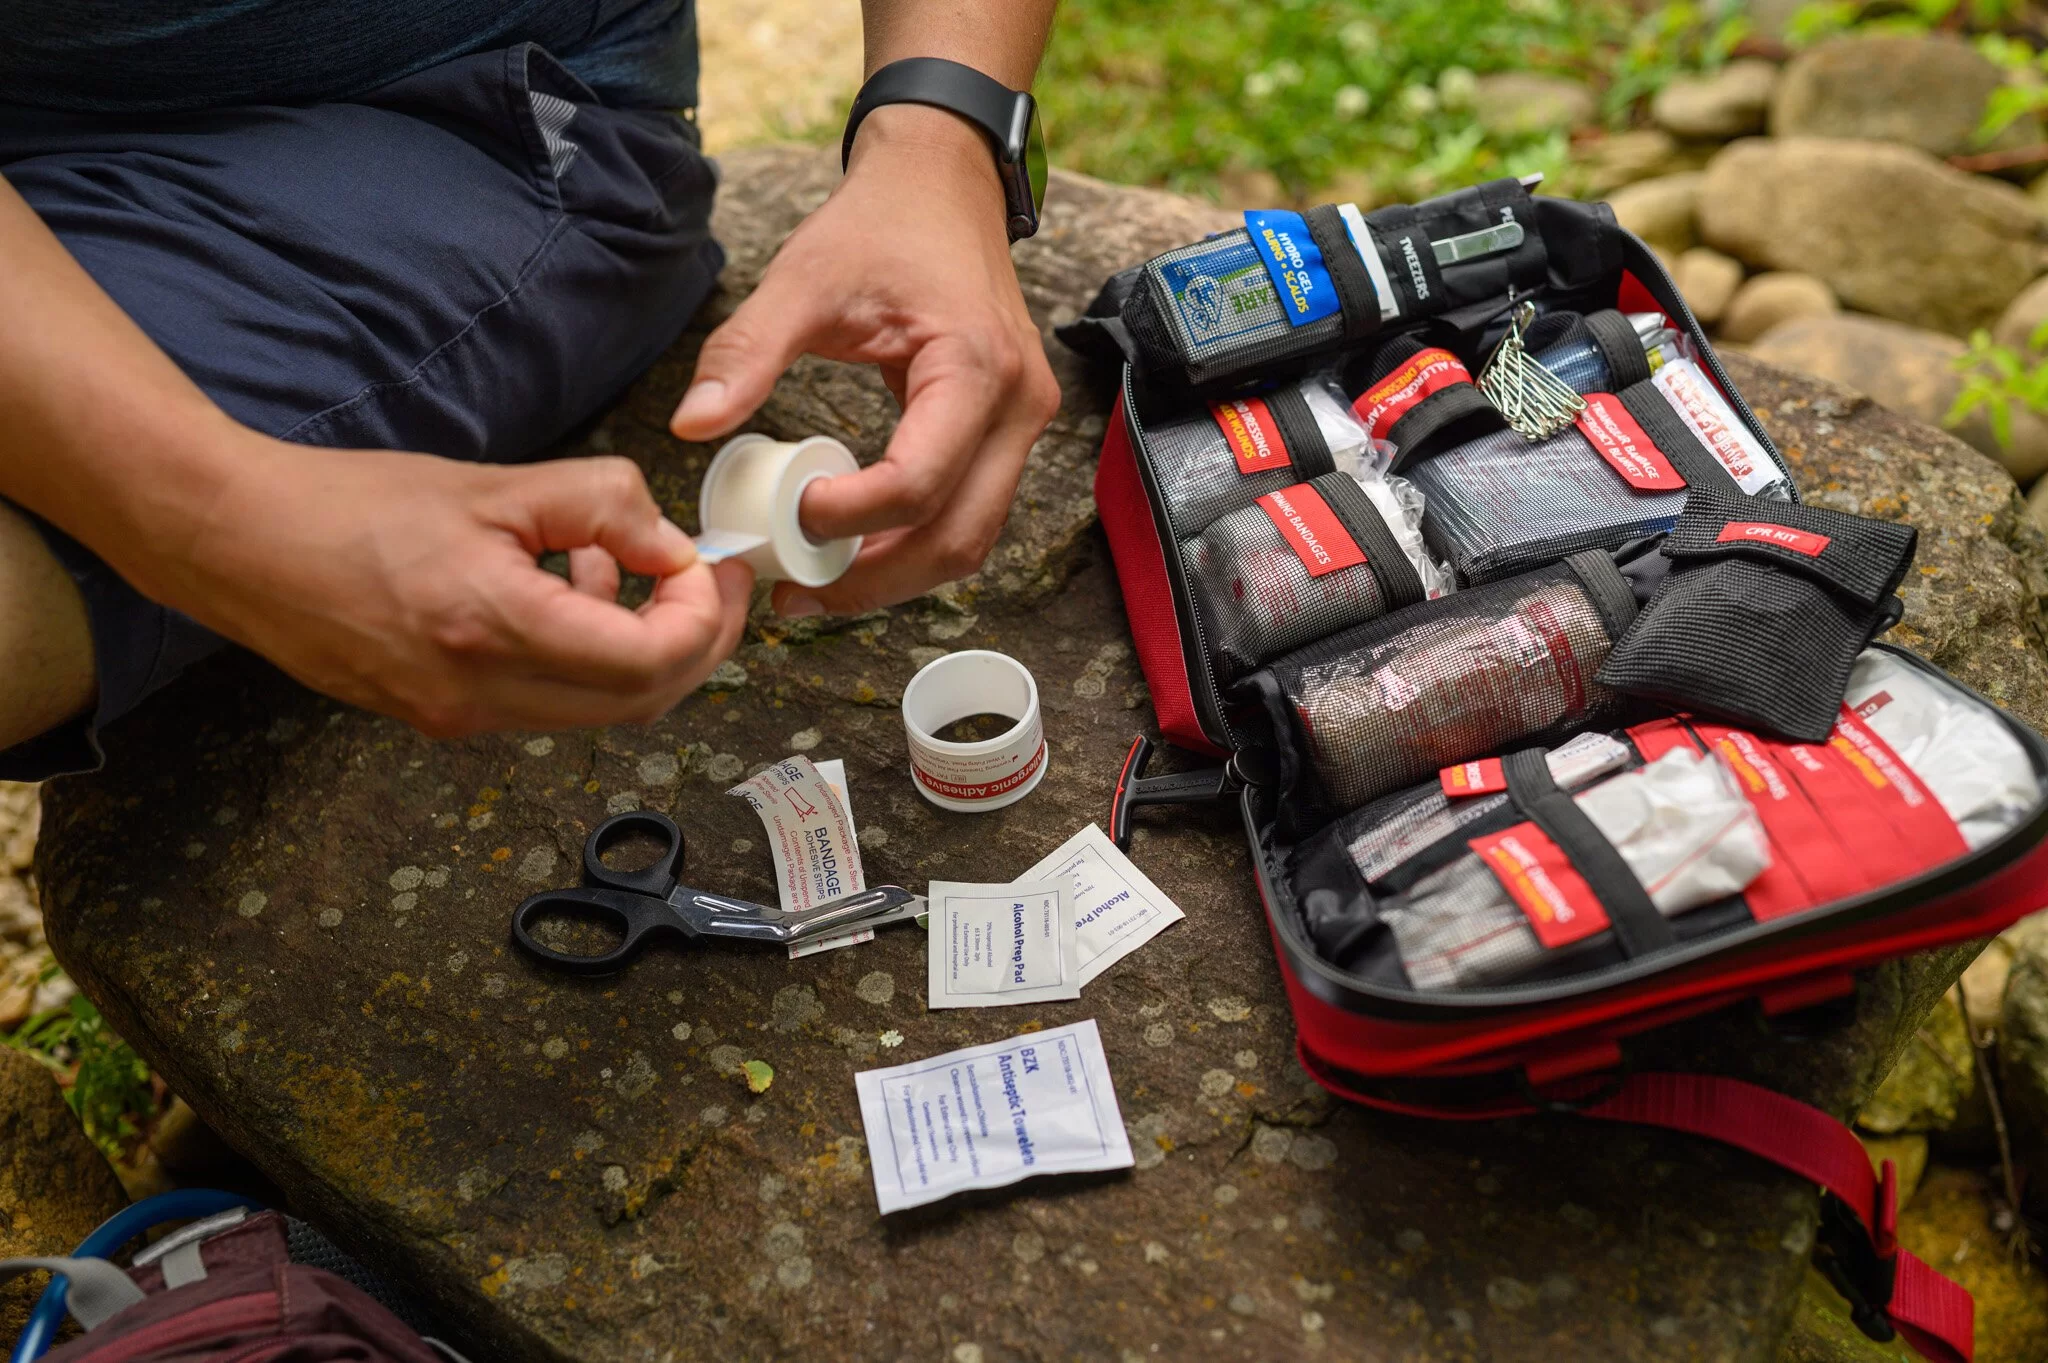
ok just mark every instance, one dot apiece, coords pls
pixel 1307 450
pixel 1357 300
pixel 1675 441
pixel 1627 362
pixel 1405 252
pixel 1459 411
pixel 1610 592
pixel 1400 584
pixel 1638 927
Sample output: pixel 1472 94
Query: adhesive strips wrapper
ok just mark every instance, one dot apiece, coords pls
pixel 989 1116
pixel 809 833
pixel 1288 286
pixel 1764 612
pixel 1305 561
pixel 1385 704
pixel 1915 772
pixel 1501 504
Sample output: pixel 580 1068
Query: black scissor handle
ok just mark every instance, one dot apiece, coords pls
pixel 634 915
pixel 657 879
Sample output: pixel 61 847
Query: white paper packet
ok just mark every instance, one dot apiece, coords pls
pixel 995 945
pixel 809 832
pixel 1117 908
pixel 988 1116
pixel 834 772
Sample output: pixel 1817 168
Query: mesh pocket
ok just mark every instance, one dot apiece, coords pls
pixel 1390 703
pixel 1500 504
pixel 1232 453
pixel 1255 592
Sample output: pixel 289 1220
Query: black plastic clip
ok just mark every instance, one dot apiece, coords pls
pixel 1863 1263
pixel 1134 788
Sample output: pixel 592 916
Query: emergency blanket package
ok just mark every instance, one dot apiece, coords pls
pixel 1552 715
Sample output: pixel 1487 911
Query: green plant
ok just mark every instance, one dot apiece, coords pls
pixel 107 1084
pixel 1672 40
pixel 1997 378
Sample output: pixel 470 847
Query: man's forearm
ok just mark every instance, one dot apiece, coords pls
pixel 1004 40
pixel 99 431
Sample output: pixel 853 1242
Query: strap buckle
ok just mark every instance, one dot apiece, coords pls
pixel 1862 1259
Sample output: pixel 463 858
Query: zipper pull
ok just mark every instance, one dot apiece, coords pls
pixel 1134 788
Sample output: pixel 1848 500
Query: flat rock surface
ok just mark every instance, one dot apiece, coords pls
pixel 298 913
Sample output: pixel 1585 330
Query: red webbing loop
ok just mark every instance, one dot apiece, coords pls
pixel 1935 1315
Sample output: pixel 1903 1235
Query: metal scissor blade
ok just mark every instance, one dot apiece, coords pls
pixel 715 916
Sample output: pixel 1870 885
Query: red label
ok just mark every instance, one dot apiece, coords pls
pixel 1625 447
pixel 1921 821
pixel 1253 435
pixel 1483 777
pixel 1311 529
pixel 1809 864
pixel 1554 897
pixel 987 791
pixel 1393 397
pixel 1781 536
pixel 1660 736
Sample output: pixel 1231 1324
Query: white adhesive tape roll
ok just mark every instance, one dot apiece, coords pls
pixel 974 777
pixel 754 487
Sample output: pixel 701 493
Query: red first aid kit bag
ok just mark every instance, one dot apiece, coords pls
pixel 1552 714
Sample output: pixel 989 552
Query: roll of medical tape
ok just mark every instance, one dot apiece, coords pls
pixel 974 778
pixel 755 486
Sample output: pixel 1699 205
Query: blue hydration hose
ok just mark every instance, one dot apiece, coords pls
pixel 186 1204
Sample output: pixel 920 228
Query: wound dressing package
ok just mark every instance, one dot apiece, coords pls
pixel 988 1116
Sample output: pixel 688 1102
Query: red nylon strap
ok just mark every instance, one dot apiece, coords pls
pixel 1936 1316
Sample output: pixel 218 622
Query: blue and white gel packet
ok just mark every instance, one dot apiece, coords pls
pixel 990 1116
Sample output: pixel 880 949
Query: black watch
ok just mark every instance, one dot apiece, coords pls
pixel 1009 117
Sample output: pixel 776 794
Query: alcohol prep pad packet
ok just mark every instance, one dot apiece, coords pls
pixel 988 1116
pixel 993 945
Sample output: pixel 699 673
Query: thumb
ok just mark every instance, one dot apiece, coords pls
pixel 743 357
pixel 574 503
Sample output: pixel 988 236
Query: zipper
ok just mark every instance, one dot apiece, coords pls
pixel 1357 995
pixel 1183 596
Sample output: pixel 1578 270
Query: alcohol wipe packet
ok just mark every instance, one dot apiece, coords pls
pixel 988 1116
pixel 994 945
pixel 1117 908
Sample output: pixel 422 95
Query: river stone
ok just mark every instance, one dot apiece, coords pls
pixel 1908 369
pixel 1892 230
pixel 1708 280
pixel 1935 1077
pixel 1773 297
pixel 1664 212
pixel 1528 103
pixel 55 1186
pixel 1730 102
pixel 572 1169
pixel 2023 1059
pixel 2022 318
pixel 1926 92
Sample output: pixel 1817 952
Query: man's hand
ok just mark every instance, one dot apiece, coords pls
pixel 906 266
pixel 408 584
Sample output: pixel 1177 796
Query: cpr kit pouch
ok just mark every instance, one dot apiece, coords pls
pixel 1502 832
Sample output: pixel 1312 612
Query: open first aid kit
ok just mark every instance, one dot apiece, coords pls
pixel 1552 714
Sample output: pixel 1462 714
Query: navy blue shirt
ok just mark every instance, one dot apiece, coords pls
pixel 137 56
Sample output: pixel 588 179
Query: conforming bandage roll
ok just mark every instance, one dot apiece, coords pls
pixel 974 777
pixel 754 487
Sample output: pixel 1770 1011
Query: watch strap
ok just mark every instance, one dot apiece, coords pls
pixel 979 98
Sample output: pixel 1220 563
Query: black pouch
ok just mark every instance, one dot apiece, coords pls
pixel 1764 610
pixel 1300 563
pixel 1416 394
pixel 1209 310
pixel 1389 703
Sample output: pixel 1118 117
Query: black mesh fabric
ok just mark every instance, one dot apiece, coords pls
pixel 1763 635
pixel 308 1246
pixel 1390 703
pixel 1256 598
pixel 1196 469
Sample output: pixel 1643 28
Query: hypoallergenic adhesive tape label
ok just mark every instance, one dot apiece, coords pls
pixel 1382 406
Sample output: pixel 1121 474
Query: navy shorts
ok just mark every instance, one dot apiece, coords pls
pixel 468 262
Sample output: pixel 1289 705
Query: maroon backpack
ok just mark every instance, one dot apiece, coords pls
pixel 221 1289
